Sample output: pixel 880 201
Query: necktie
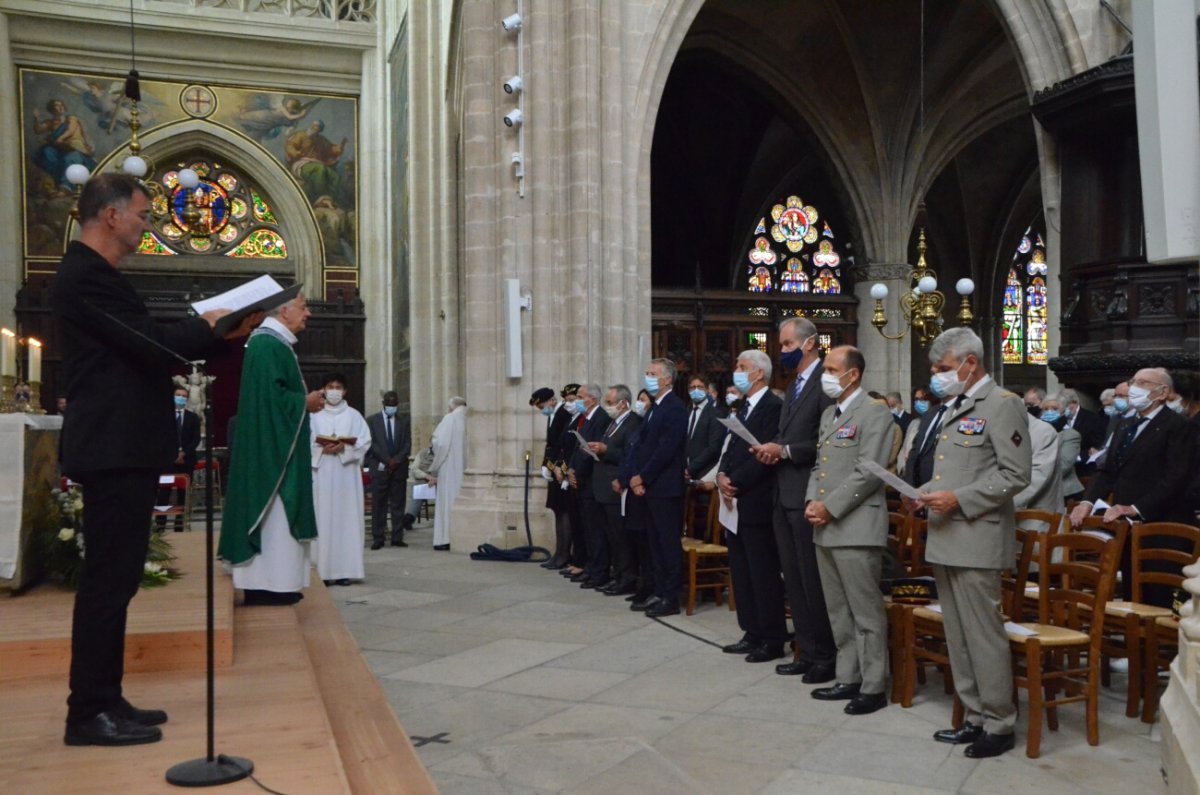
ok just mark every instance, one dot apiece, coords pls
pixel 692 422
pixel 797 385
pixel 931 432
pixel 612 428
pixel 391 439
pixel 1127 442
pixel 837 412
pixel 179 428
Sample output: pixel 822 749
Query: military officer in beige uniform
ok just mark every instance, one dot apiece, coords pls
pixel 848 512
pixel 982 461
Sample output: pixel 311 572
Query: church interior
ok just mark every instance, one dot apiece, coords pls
pixel 667 178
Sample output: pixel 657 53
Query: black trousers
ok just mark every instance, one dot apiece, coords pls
pixel 664 528
pixel 595 525
pixel 116 533
pixel 754 569
pixel 621 556
pixel 578 531
pixel 802 579
pixel 389 491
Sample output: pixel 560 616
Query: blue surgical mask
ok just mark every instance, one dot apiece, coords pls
pixel 921 406
pixel 652 385
pixel 180 401
pixel 389 411
pixel 548 409
pixel 1050 415
pixel 697 395
pixel 741 381
pixel 1121 405
pixel 580 406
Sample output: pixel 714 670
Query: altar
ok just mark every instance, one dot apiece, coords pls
pixel 28 471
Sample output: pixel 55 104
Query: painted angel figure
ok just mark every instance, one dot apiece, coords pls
pixel 264 116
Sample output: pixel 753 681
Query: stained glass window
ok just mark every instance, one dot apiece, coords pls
pixel 757 339
pixel 1024 331
pixel 223 215
pixel 793 252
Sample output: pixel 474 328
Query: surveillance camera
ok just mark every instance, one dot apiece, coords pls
pixel 516 158
pixel 511 23
pixel 514 85
pixel 514 118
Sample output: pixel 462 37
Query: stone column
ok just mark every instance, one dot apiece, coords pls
pixel 375 271
pixel 12 262
pixel 1051 177
pixel 889 362
pixel 1180 706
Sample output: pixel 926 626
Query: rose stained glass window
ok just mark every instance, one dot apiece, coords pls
pixel 794 251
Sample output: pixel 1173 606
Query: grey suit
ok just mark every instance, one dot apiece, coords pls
pixel 1045 491
pixel 850 547
pixel 798 426
pixel 983 456
pixel 1070 442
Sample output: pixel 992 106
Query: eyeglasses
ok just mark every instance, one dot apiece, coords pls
pixel 1144 384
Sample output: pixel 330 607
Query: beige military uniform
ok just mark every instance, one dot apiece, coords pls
pixel 850 547
pixel 983 456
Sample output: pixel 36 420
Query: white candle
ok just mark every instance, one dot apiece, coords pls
pixel 8 353
pixel 35 361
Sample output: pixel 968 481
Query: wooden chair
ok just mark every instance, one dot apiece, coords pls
pixel 1027 603
pixel 714 575
pixel 1127 624
pixel 1161 645
pixel 200 476
pixel 178 506
pixel 1063 651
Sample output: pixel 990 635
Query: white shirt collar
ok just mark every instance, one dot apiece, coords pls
pixel 1154 413
pixel 588 416
pixel 847 400
pixel 808 371
pixel 661 396
pixel 280 329
pixel 971 392
pixel 752 400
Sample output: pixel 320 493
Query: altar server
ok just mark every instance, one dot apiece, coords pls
pixel 340 440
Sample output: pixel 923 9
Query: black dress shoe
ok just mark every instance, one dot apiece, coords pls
pixel 587 583
pixel 794 668
pixel 764 654
pixel 866 703
pixel 442 547
pixel 407 521
pixel 743 646
pixel 551 564
pixel 376 545
pixel 663 608
pixel 343 582
pixel 989 745
pixel 642 605
pixel 109 728
pixel 818 673
pixel 580 577
pixel 621 590
pixel 839 692
pixel 146 717
pixel 256 598
pixel 399 542
pixel 968 733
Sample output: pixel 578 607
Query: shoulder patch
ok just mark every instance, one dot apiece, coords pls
pixel 1005 394
pixel 1017 439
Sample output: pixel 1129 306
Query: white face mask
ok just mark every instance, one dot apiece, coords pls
pixel 639 408
pixel 333 396
pixel 1139 398
pixel 1176 405
pixel 612 411
pixel 730 399
pixel 832 385
pixel 946 384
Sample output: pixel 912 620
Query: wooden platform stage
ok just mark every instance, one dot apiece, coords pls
pixel 297 698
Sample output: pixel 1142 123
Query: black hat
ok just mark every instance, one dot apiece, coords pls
pixel 569 389
pixel 541 395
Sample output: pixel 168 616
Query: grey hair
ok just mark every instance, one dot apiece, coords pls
pixel 1069 396
pixel 1170 382
pixel 1038 391
pixel 959 342
pixel 801 328
pixel 1055 397
pixel 623 393
pixel 760 361
pixel 594 391
pixel 899 398
pixel 1108 394
pixel 668 366
pixel 457 401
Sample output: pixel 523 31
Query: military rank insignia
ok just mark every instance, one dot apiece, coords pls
pixel 847 432
pixel 971 426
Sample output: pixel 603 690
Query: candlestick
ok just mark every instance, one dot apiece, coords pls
pixel 8 353
pixel 7 385
pixel 34 372
pixel 35 398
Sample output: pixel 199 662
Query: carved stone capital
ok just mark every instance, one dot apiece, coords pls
pixel 884 271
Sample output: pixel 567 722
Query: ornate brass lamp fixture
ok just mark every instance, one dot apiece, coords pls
pixel 921 306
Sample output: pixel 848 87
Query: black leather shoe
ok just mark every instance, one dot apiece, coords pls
pixel 551 564
pixel 818 673
pixel 146 717
pixel 839 692
pixel 343 582
pixel 621 590
pixel 109 728
pixel 580 577
pixel 399 542
pixel 256 598
pixel 641 605
pixel 376 545
pixel 794 668
pixel 969 733
pixel 442 547
pixel 764 654
pixel 407 521
pixel 590 584
pixel 743 646
pixel 866 703
pixel 609 588
pixel 663 608
pixel 989 745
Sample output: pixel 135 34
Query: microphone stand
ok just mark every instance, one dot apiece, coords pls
pixel 213 769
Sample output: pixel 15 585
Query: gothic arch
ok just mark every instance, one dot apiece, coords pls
pixel 192 136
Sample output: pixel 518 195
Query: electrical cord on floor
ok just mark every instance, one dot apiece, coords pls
pixel 225 760
pixel 685 632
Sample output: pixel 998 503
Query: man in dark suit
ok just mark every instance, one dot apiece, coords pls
pixel 1145 470
pixel 187 430
pixel 657 475
pixel 117 438
pixel 901 417
pixel 793 453
pixel 745 484
pixel 622 426
pixel 705 434
pixel 558 421
pixel 387 461
pixel 582 467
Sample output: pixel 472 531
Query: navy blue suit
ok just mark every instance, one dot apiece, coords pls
pixel 589 510
pixel 660 458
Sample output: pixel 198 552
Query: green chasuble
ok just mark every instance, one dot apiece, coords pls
pixel 270 452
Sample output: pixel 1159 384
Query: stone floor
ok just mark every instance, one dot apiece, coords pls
pixel 520 682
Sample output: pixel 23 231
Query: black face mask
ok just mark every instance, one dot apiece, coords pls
pixel 1036 411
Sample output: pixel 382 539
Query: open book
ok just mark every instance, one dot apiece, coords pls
pixel 257 295
pixel 330 441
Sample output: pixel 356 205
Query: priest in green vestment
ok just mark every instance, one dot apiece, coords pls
pixel 268 515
